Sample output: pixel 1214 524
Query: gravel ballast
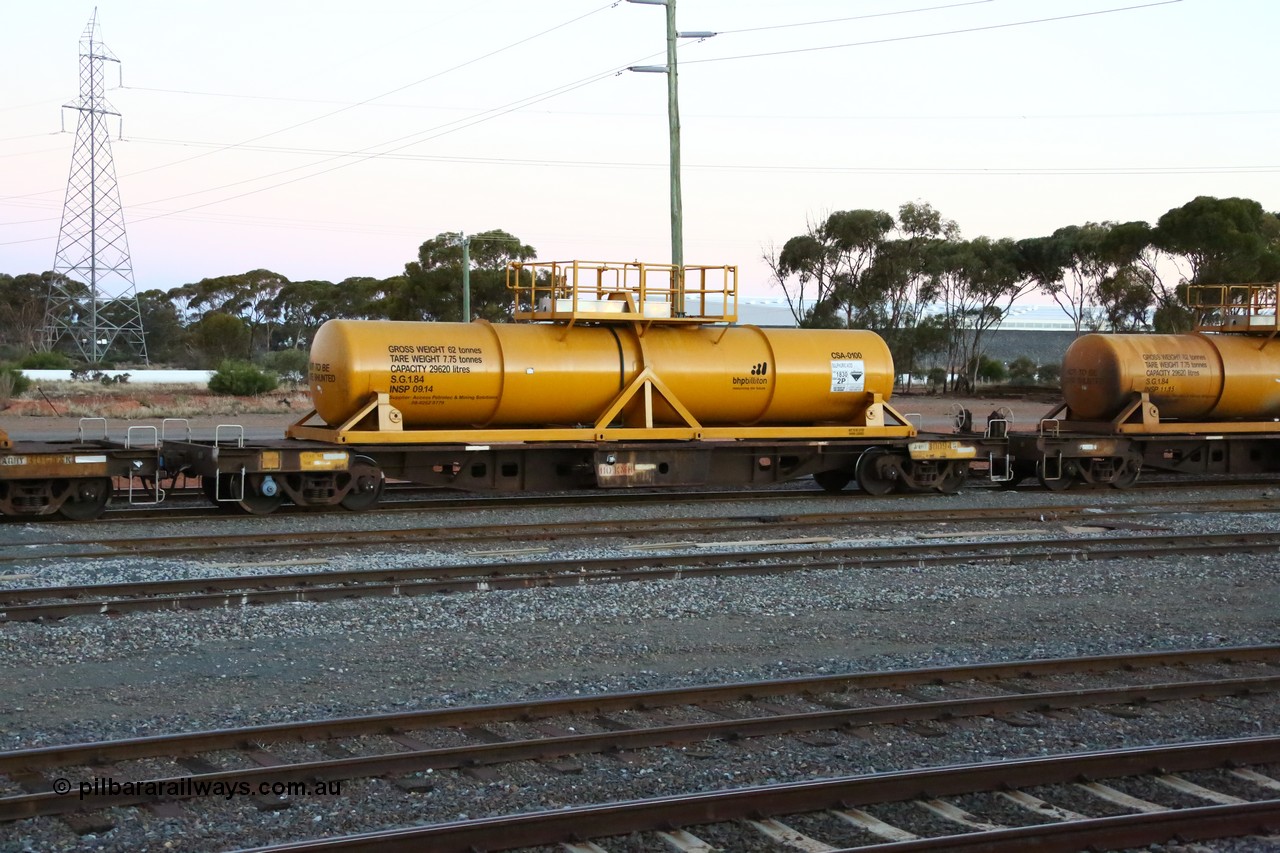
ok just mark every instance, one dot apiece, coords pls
pixel 91 678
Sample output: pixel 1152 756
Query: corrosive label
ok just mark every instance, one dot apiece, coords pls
pixel 848 375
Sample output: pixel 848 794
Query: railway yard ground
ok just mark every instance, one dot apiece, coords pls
pixel 114 675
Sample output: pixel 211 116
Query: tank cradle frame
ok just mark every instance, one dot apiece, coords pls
pixel 377 421
pixel 1142 417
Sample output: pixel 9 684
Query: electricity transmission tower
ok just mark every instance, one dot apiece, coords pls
pixel 93 303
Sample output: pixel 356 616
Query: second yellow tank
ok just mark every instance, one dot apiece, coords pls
pixel 1188 377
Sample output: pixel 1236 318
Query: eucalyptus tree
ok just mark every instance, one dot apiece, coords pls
pixel 996 280
pixel 1224 241
pixel 249 296
pixel 823 272
pixel 431 287
pixel 1142 262
pixel 23 300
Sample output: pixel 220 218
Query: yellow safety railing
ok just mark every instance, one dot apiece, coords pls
pixel 1235 307
pixel 629 291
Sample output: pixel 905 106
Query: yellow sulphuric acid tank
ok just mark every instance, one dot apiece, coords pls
pixel 496 375
pixel 1188 377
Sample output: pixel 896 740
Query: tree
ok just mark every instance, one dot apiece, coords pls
pixel 167 341
pixel 1125 297
pixel 903 276
pixel 996 281
pixel 1022 371
pixel 289 364
pixel 300 307
pixel 988 369
pixel 1225 241
pixel 1133 245
pixel 249 296
pixel 827 264
pixel 431 288
pixel 979 280
pixel 1069 265
pixel 23 300
pixel 219 337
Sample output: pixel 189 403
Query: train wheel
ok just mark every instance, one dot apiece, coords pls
pixel 953 477
pixel 86 499
pixel 261 496
pixel 875 473
pixel 1057 484
pixel 366 485
pixel 209 485
pixel 832 481
pixel 1127 471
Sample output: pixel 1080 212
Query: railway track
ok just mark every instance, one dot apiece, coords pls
pixel 51 603
pixel 190 504
pixel 842 805
pixel 756 524
pixel 406 749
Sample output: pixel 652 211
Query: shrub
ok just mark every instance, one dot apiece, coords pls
pixel 21 384
pixel 46 361
pixel 241 379
pixel 1022 371
pixel 289 364
pixel 990 370
pixel 12 384
pixel 89 374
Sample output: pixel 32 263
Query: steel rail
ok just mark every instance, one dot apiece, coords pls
pixel 542 531
pixel 31 603
pixel 582 823
pixel 1118 832
pixel 105 752
pixel 16 807
pixel 451 500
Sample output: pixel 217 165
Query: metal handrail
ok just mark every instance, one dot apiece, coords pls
pixel 629 290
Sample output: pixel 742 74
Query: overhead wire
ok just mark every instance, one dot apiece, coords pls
pixel 367 153
pixel 851 18
pixel 489 115
pixel 348 107
pixel 558 90
pixel 962 31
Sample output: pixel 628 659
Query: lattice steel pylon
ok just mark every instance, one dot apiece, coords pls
pixel 93 302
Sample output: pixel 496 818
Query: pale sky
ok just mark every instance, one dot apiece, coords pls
pixel 326 139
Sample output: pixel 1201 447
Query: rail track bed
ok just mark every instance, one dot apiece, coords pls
pixel 1200 790
pixel 527 537
pixel 46 603
pixel 190 504
pixel 836 810
pixel 907 584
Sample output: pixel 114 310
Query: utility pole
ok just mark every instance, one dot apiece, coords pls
pixel 466 277
pixel 465 242
pixel 92 257
pixel 673 128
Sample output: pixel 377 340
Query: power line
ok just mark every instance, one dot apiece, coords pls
pixel 931 35
pixel 246 142
pixel 487 115
pixel 384 94
pixel 853 18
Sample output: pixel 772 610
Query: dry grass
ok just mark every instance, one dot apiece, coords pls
pixel 93 400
